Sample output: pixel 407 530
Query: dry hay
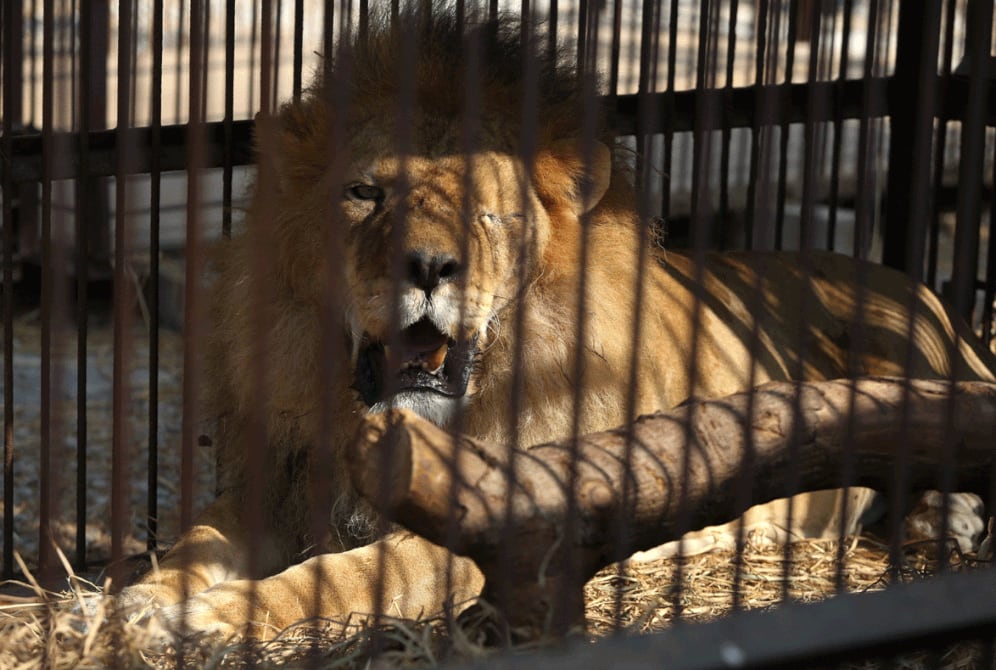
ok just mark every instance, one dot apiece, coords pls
pixel 79 629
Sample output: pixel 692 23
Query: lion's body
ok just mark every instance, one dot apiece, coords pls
pixel 312 304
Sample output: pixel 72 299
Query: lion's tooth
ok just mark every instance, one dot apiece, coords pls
pixel 434 361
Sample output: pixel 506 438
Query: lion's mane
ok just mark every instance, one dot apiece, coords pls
pixel 276 378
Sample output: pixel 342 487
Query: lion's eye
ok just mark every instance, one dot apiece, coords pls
pixel 365 192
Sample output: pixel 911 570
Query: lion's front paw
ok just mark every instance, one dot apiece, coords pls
pixel 200 616
pixel 140 601
pixel 965 518
pixel 167 619
pixel 224 611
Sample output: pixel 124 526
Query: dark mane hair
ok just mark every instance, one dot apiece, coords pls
pixel 493 69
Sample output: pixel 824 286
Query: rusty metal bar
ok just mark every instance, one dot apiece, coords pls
pixel 614 48
pixel 756 217
pixel 45 553
pixel 911 132
pixel 785 128
pixel 192 324
pixel 838 122
pixel 726 137
pixel 989 290
pixel 123 295
pixel 83 216
pixel 298 47
pixel 10 85
pixel 228 148
pixel 971 155
pixel 707 115
pixel 813 131
pixel 669 104
pixel 155 198
pixel 871 98
pixel 275 33
pixel 746 107
pixel 940 146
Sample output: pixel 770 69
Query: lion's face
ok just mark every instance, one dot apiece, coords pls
pixel 436 250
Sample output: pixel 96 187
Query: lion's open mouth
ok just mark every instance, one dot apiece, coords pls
pixel 421 358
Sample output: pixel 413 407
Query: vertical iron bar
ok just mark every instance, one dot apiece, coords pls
pixel 229 118
pixel 155 200
pixel 9 82
pixel 275 90
pixel 588 25
pixel 702 220
pixel 582 42
pixel 813 131
pixel 133 103
pixel 84 216
pixel 760 135
pixel 785 130
pixel 364 20
pixel 864 198
pixel 971 156
pixel 73 79
pixel 989 290
pixel 615 48
pixel 328 39
pixel 911 124
pixel 651 33
pixel 206 59
pixel 177 66
pixel 551 22
pixel 32 63
pixel 647 110
pixel 193 271
pixel 940 145
pixel 259 249
pixel 123 295
pixel 252 53
pixel 298 46
pixel 45 554
pixel 727 132
pixel 528 111
pixel 838 124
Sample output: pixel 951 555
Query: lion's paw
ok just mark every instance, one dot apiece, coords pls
pixel 139 601
pixel 965 523
pixel 167 620
pixel 199 616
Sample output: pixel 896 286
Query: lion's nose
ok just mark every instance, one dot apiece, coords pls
pixel 427 271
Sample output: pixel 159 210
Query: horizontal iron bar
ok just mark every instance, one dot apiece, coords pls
pixel 740 107
pixel 923 615
pixel 27 151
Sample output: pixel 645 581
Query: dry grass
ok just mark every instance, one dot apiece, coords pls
pixel 78 628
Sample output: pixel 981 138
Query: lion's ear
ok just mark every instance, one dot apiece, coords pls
pixel 575 171
pixel 291 144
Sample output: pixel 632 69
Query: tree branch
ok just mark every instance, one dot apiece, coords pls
pixel 540 522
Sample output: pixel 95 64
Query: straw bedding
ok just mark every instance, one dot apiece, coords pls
pixel 76 628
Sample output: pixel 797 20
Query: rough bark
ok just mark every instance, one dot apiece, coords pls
pixel 539 522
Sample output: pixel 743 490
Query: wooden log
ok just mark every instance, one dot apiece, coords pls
pixel 541 521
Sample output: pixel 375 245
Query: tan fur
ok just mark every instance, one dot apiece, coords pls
pixel 315 274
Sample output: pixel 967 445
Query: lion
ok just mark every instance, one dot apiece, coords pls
pixel 407 246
